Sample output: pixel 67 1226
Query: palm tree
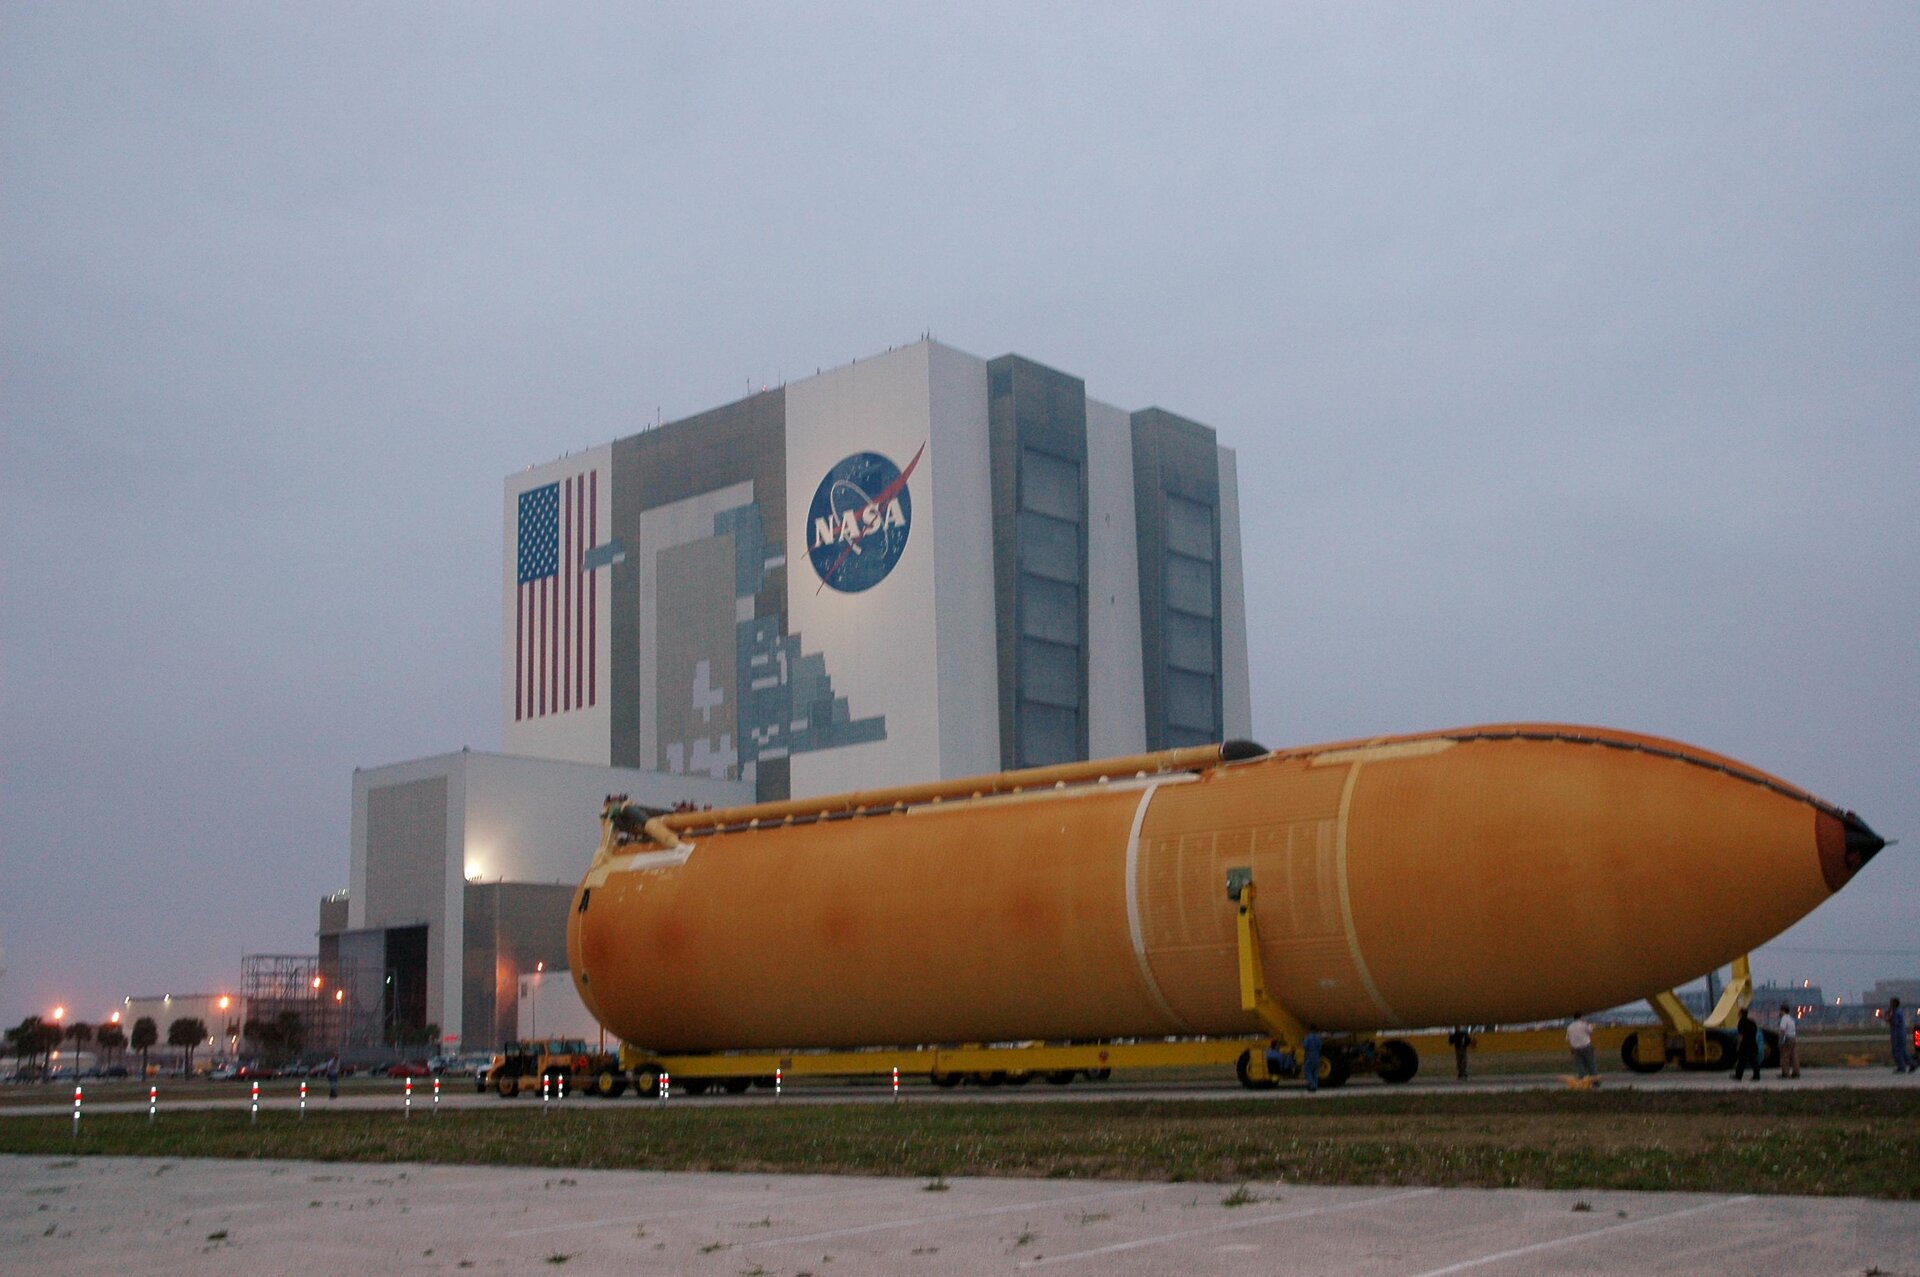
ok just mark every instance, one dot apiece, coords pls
pixel 29 1039
pixel 110 1037
pixel 187 1033
pixel 79 1033
pixel 145 1034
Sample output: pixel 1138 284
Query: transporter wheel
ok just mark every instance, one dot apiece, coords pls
pixel 1398 1061
pixel 1630 1056
pixel 1098 1075
pixel 996 1078
pixel 1243 1069
pixel 1719 1053
pixel 646 1080
pixel 609 1083
pixel 1769 1049
pixel 508 1085
pixel 1059 1077
pixel 1019 1077
pixel 946 1081
pixel 699 1085
pixel 736 1085
pixel 1335 1069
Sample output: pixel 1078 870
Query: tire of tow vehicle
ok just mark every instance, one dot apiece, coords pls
pixel 646 1080
pixel 1719 1054
pixel 946 1081
pixel 1398 1061
pixel 736 1085
pixel 507 1085
pixel 1059 1077
pixel 609 1083
pixel 1243 1069
pixel 1630 1056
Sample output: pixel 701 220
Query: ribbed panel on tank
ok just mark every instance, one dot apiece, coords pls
pixel 1288 833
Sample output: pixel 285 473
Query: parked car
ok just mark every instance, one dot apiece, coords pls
pixel 409 1068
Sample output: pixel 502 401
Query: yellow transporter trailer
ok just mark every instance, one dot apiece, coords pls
pixel 1191 906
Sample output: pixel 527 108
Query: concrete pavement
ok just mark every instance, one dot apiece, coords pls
pixel 115 1215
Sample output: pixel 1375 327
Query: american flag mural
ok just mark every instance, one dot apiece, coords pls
pixel 556 605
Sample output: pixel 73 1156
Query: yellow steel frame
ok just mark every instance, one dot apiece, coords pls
pixel 1691 1032
pixel 930 1060
pixel 1254 997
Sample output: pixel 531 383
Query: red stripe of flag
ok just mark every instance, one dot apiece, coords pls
pixel 566 608
pixel 593 594
pixel 579 591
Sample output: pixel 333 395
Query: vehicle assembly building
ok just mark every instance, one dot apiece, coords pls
pixel 919 566
pixel 916 567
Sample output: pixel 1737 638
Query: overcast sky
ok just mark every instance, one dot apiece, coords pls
pixel 1572 356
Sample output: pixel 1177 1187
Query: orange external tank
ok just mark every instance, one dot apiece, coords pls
pixel 1485 875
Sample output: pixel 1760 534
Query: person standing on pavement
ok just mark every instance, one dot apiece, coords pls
pixel 1746 1051
pixel 1461 1041
pixel 1580 1042
pixel 1902 1045
pixel 1789 1042
pixel 333 1077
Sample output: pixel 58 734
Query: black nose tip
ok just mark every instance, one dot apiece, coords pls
pixel 1846 844
pixel 1862 843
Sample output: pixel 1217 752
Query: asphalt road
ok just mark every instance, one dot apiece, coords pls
pixel 386 1093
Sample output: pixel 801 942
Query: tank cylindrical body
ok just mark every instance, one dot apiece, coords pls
pixel 1485 875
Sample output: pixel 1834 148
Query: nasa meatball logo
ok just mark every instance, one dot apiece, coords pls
pixel 858 524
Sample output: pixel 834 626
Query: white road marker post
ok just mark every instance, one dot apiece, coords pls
pixel 409 1097
pixel 303 1099
pixel 76 1112
pixel 436 1097
pixel 153 1103
pixel 776 1083
pixel 254 1119
pixel 666 1087
pixel 896 1081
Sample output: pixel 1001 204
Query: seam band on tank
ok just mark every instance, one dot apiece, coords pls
pixel 1346 898
pixel 1134 929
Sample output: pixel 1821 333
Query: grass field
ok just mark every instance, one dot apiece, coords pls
pixel 1855 1142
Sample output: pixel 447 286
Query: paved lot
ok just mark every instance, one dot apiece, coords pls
pixel 115 1215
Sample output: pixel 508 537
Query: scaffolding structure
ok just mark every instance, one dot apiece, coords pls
pixel 333 1020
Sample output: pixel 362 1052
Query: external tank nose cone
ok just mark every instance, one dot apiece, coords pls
pixel 1846 845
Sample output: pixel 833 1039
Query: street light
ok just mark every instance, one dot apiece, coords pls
pixel 539 969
